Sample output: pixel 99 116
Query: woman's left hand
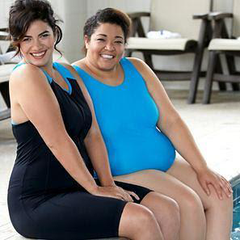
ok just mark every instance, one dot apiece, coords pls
pixel 208 177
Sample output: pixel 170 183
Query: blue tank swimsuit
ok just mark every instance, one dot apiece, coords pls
pixel 127 116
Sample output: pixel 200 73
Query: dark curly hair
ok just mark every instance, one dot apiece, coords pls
pixel 23 12
pixel 107 15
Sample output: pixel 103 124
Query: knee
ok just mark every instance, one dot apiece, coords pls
pixel 228 202
pixel 192 202
pixel 173 220
pixel 225 204
pixel 145 218
pixel 136 221
pixel 173 211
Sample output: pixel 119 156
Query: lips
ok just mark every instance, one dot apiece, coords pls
pixel 107 56
pixel 38 54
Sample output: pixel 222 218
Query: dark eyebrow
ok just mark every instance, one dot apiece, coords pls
pixel 26 36
pixel 38 34
pixel 43 32
pixel 104 35
pixel 119 37
pixel 101 34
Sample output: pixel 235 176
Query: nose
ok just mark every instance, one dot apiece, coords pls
pixel 109 46
pixel 37 44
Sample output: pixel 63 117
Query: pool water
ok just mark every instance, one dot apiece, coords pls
pixel 235 182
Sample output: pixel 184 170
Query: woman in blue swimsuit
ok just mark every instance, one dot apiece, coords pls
pixel 52 191
pixel 142 129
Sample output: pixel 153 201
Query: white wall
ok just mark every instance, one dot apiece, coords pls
pixel 124 5
pixel 73 13
pixel 4 11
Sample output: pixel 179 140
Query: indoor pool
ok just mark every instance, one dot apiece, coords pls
pixel 235 182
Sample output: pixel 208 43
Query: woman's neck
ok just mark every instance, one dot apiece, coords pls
pixel 49 69
pixel 112 76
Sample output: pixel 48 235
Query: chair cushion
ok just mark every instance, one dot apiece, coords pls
pixel 5 71
pixel 158 44
pixel 224 44
pixel 4 114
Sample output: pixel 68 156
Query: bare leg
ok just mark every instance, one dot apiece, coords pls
pixel 193 226
pixel 167 213
pixel 218 212
pixel 138 223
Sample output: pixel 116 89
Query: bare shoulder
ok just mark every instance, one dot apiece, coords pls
pixel 143 69
pixel 68 66
pixel 26 74
pixel 137 62
pixel 79 63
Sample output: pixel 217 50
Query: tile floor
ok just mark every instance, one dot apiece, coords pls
pixel 216 128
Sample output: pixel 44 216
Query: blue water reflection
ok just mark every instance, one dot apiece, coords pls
pixel 236 208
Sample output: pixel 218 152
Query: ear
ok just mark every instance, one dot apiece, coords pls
pixel 86 41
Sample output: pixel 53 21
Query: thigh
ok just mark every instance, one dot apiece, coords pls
pixel 75 215
pixel 161 182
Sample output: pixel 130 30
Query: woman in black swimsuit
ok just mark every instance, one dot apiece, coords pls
pixel 52 193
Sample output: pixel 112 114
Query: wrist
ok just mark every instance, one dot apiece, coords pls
pixel 107 182
pixel 201 168
pixel 93 189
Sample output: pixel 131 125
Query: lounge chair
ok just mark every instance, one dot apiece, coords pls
pixel 175 16
pixel 228 47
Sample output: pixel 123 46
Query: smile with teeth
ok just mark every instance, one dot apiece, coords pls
pixel 38 54
pixel 106 56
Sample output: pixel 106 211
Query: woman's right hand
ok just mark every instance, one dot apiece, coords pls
pixel 114 192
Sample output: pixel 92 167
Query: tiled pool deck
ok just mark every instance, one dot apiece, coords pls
pixel 216 128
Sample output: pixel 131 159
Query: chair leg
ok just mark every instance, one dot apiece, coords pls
pixel 195 77
pixel 203 36
pixel 209 78
pixel 232 70
pixel 4 90
pixel 235 87
pixel 148 60
pixel 218 69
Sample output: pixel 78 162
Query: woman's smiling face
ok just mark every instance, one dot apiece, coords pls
pixel 106 46
pixel 37 44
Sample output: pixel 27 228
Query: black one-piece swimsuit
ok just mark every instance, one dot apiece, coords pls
pixel 44 201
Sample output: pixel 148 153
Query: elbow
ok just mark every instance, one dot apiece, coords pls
pixel 58 143
pixel 171 124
